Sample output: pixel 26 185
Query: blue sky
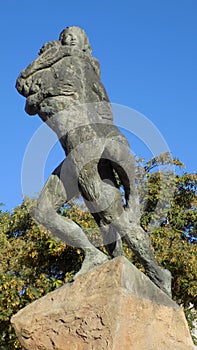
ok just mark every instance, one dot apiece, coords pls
pixel 147 52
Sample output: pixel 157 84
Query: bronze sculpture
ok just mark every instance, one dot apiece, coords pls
pixel 63 87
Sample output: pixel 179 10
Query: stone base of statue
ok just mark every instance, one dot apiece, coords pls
pixel 114 307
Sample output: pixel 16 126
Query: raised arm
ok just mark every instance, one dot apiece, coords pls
pixel 50 53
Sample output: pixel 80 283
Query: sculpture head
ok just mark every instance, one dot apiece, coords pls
pixel 75 37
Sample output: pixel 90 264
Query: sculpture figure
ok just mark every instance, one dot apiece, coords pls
pixel 63 87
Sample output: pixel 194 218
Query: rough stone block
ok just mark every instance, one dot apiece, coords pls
pixel 114 307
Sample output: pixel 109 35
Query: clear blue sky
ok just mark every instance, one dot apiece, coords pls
pixel 148 56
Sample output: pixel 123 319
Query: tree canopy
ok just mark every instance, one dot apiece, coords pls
pixel 33 264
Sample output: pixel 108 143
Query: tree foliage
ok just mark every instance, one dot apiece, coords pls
pixel 33 264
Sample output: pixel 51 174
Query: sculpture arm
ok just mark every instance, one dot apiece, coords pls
pixel 45 60
pixel 50 53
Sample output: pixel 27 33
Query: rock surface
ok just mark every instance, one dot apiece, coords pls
pixel 114 306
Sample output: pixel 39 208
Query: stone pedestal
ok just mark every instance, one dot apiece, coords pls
pixel 114 307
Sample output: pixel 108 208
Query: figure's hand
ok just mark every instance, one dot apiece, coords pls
pixel 23 86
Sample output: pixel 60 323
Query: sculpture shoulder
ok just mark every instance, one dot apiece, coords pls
pixel 53 52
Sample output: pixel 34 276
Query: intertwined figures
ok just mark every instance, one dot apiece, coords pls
pixel 63 87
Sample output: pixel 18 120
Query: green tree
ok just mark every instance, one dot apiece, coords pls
pixel 174 236
pixel 33 264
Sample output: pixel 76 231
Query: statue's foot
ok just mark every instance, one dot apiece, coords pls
pixel 163 281
pixel 93 258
